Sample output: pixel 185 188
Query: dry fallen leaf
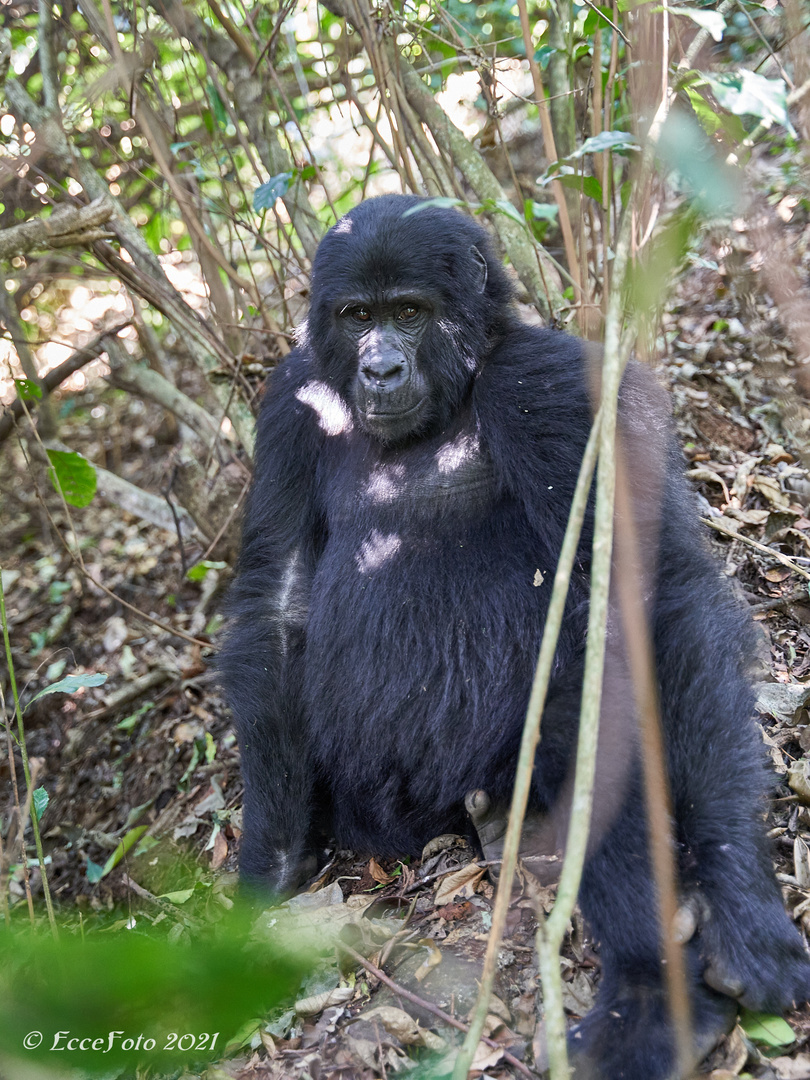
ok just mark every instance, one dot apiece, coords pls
pixel 432 960
pixel 309 1006
pixel 461 883
pixel 791 1068
pixel 378 873
pixel 798 777
pixel 401 1024
pixel 772 491
pixel 220 851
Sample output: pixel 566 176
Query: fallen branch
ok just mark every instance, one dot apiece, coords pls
pixel 55 378
pixel 142 381
pixel 783 559
pixel 66 226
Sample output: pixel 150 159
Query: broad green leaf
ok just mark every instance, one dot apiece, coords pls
pixel 70 684
pixel 606 140
pixel 711 121
pixel 597 19
pixel 746 93
pixel 264 197
pixel 220 112
pixel 542 211
pixel 587 185
pixel 683 146
pixel 123 846
pixel 28 389
pixel 766 1029
pixel 74 476
pixel 712 21
pixel 40 799
pixel 503 206
pixel 179 897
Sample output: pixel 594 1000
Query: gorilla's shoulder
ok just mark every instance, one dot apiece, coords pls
pixel 537 367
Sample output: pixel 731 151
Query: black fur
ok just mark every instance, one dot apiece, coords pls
pixel 387 622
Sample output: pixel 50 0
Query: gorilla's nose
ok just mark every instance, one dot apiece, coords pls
pixel 383 373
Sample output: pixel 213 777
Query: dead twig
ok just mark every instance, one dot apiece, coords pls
pixel 445 1017
pixel 783 559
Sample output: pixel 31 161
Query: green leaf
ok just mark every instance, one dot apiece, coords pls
pixel 179 897
pixel 132 981
pixel 746 93
pixel 683 146
pixel 605 140
pixel 28 389
pixel 199 571
pixel 711 121
pixel 543 55
pixel 123 846
pixel 40 799
pixel 712 21
pixel 586 185
pixel 73 476
pixel 597 18
pixel 217 105
pixel 503 206
pixel 766 1029
pixel 70 684
pixel 264 197
pixel 94 872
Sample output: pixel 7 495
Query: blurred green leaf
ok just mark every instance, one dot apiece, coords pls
pixel 711 21
pixel 123 846
pixel 683 146
pixel 74 475
pixel 125 984
pixel 443 201
pixel 746 93
pixel 199 571
pixel 605 140
pixel 766 1029
pixel 28 389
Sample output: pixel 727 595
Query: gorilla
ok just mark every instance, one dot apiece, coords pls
pixel 416 458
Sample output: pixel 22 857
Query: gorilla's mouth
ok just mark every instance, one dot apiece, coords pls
pixel 394 414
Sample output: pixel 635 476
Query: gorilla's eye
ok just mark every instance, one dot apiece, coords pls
pixel 360 314
pixel 408 312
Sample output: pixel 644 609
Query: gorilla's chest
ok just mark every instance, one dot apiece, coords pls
pixel 424 490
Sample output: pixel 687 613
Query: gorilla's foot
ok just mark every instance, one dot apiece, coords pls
pixel 538 852
pixel 628 1035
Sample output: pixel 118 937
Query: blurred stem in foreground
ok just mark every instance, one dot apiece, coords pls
pixel 26 767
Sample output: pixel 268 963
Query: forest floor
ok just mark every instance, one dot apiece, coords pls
pixel 155 746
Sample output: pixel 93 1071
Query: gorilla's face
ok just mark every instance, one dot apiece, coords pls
pixel 404 299
pixel 390 395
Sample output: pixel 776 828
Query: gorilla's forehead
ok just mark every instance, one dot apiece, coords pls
pixel 387 250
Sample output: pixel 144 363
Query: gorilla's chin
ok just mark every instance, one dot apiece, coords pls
pixel 394 422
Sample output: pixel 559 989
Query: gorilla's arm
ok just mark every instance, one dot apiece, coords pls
pixel 262 659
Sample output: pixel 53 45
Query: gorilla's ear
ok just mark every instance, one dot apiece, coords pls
pixel 480 275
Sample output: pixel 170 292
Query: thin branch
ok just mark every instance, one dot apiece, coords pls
pixel 528 749
pixel 783 559
pixel 428 1006
pixel 57 376
pixel 65 226
pixel 137 379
